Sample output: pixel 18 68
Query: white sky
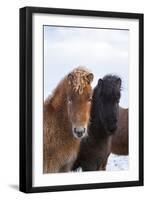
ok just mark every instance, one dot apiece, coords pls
pixel 103 51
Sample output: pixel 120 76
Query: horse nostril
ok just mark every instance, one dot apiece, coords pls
pixel 79 134
pixel 113 128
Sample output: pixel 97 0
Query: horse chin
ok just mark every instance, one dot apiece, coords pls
pixel 80 137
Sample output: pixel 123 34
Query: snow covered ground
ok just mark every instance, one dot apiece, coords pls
pixel 116 162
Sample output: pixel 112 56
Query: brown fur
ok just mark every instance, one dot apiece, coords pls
pixel 119 141
pixel 67 106
pixel 120 138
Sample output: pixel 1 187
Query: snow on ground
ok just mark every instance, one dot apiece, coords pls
pixel 116 163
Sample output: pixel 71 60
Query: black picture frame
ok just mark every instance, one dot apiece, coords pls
pixel 26 90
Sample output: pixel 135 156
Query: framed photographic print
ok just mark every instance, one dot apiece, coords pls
pixel 81 99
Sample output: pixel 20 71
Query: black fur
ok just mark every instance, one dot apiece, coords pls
pixel 94 149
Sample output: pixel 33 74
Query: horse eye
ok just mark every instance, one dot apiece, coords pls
pixel 90 99
pixel 69 100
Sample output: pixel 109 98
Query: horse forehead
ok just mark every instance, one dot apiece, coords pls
pixel 86 91
pixel 109 83
pixel 81 86
pixel 110 86
pixel 79 78
pixel 110 92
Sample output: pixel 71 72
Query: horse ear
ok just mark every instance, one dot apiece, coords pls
pixel 90 77
pixel 69 78
pixel 100 82
pixel 119 82
pixel 99 86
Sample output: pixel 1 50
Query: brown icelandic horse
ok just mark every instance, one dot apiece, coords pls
pixel 119 143
pixel 96 147
pixel 66 117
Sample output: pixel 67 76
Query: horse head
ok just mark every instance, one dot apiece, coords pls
pixel 79 96
pixel 107 94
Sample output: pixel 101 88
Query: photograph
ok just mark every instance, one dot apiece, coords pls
pixel 86 86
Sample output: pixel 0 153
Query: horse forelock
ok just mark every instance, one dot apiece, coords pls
pixel 79 80
pixel 111 88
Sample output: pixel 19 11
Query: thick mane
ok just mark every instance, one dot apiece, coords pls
pixel 111 87
pixel 79 78
pixel 58 95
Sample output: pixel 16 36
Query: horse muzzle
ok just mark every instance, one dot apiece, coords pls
pixel 79 132
pixel 112 129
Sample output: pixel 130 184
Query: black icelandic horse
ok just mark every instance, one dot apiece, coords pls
pixel 96 147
